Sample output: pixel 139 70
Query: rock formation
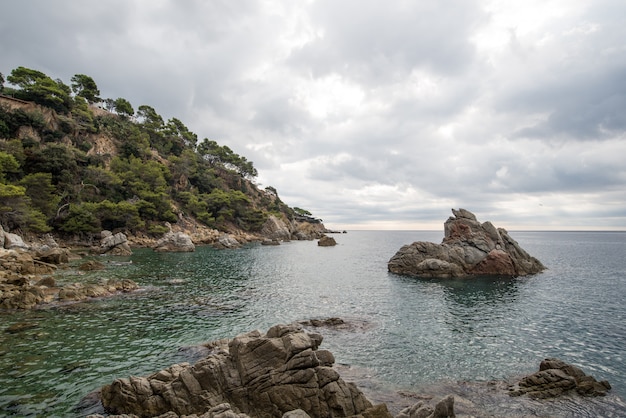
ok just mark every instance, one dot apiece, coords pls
pixel 175 242
pixel 113 244
pixel 468 248
pixel 326 241
pixel 556 378
pixel 260 375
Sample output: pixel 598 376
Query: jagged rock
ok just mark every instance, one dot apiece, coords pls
pixel 260 375
pixel 14 241
pixel 114 244
pixel 469 248
pixel 226 241
pixel 275 229
pixel 175 242
pixel 327 241
pixel 556 378
pixel 442 409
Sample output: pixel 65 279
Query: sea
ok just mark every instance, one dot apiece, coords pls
pixel 406 339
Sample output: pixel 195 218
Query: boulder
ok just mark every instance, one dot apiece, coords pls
pixel 556 378
pixel 262 375
pixel 327 241
pixel 442 409
pixel 175 242
pixel 114 244
pixel 469 248
pixel 226 241
pixel 14 242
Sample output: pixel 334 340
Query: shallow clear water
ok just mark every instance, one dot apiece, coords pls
pixel 412 332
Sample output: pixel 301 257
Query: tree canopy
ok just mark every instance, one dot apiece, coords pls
pixel 155 172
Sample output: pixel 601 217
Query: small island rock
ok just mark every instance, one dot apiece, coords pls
pixel 326 241
pixel 469 248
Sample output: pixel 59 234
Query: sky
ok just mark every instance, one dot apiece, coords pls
pixel 371 114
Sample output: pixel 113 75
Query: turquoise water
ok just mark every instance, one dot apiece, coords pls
pixel 411 333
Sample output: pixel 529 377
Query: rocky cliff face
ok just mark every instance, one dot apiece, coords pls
pixel 468 248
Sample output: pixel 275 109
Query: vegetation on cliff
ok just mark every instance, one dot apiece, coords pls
pixel 75 164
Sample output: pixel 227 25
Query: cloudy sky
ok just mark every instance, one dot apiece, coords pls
pixel 371 114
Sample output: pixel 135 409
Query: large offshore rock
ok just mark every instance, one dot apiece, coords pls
pixel 259 375
pixel 469 248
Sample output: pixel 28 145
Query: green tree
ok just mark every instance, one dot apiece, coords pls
pixel 123 107
pixel 8 164
pixel 84 86
pixel 39 88
pixel 1 83
pixel 41 192
pixel 149 117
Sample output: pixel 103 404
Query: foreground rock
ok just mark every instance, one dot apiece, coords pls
pixel 468 248
pixel 557 378
pixel 260 375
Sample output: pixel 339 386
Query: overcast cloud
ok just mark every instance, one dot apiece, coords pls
pixel 371 114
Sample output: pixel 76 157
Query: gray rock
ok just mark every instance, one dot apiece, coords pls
pixel 175 242
pixel 260 375
pixel 14 242
pixel 469 248
pixel 275 229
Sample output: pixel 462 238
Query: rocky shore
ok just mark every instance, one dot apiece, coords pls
pixel 469 248
pixel 284 373
pixel 27 268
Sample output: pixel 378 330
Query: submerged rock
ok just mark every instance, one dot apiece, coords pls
pixel 260 375
pixel 469 248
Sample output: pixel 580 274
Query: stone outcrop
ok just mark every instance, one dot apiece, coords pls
pixel 226 241
pixel 556 378
pixel 276 229
pixel 259 375
pixel 469 248
pixel 175 242
pixel 326 241
pixel 442 409
pixel 114 244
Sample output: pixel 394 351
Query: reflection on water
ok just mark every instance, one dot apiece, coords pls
pixel 419 333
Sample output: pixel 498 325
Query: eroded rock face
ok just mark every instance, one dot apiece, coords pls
pixel 114 244
pixel 556 378
pixel 175 242
pixel 469 248
pixel 260 375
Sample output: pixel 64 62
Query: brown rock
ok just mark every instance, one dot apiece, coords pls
pixel 556 378
pixel 469 248
pixel 327 241
pixel 260 375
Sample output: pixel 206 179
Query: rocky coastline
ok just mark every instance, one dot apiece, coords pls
pixel 285 373
pixel 27 267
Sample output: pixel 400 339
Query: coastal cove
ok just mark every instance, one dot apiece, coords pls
pixel 409 334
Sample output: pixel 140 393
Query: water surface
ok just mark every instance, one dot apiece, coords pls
pixel 412 333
